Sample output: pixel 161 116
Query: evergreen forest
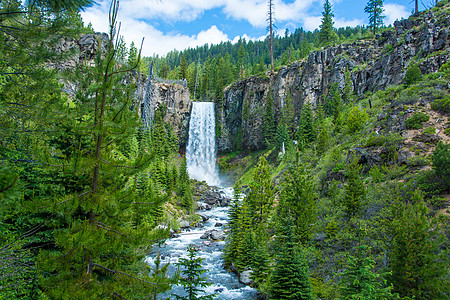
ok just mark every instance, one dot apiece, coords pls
pixel 339 202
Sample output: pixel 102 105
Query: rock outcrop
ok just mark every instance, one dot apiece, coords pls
pixel 173 94
pixel 373 64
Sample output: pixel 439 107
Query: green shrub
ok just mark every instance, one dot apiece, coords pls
pixel 375 140
pixel 413 74
pixel 356 119
pixel 415 122
pixel 445 69
pixel 417 161
pixel 441 105
pixel 441 163
pixel 429 130
pixel 441 3
pixel 447 131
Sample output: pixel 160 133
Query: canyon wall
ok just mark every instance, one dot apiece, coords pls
pixel 374 64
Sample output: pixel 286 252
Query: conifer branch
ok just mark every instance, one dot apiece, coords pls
pixel 115 272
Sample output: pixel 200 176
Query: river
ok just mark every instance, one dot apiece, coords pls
pixel 201 155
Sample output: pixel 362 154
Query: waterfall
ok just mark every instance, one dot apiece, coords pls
pixel 201 147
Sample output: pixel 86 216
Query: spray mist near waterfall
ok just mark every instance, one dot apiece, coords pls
pixel 201 148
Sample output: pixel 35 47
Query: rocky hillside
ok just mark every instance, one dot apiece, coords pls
pixel 374 64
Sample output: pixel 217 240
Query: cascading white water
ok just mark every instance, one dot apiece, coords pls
pixel 201 148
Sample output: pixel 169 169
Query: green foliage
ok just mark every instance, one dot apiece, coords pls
pixel 288 115
pixel 445 70
pixel 260 198
pixel 348 88
pixel 355 191
pixel 290 275
pixel 375 10
pixel 306 132
pixel 356 119
pixel 441 164
pixel 183 67
pixel 322 140
pixel 333 105
pixel 415 122
pixel 429 130
pixel 282 136
pixel 298 195
pixel 413 74
pixel 269 127
pixel 359 281
pixel 191 279
pixel 417 270
pixel 327 34
pixel 442 105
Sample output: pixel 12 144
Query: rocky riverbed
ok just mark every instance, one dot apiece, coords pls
pixel 208 235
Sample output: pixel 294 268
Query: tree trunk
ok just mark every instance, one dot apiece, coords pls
pixel 271 36
pixel 417 7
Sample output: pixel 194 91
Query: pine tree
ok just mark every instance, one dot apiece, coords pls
pixel 298 195
pixel 191 279
pixel 260 198
pixel 98 238
pixel 306 132
pixel 288 115
pixel 183 67
pixel 375 10
pixel 270 19
pixel 359 281
pixel 322 140
pixel 348 88
pixel 355 191
pixel 269 127
pixel 419 266
pixel 327 34
pixel 290 276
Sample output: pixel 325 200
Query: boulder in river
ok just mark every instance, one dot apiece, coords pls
pixel 184 224
pixel 246 277
pixel 218 224
pixel 217 235
pixel 204 218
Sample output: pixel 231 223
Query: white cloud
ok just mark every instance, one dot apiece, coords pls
pixel 338 23
pixel 394 12
pixel 136 17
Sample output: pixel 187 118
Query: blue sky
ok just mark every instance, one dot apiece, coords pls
pixel 178 24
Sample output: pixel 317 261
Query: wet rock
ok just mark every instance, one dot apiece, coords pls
pixel 219 290
pixel 184 224
pixel 207 243
pixel 218 224
pixel 217 235
pixel 245 277
pixel 204 218
pixel 206 235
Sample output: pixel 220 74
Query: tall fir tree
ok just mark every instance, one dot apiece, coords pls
pixel 191 279
pixel 326 33
pixel 360 281
pixel 261 196
pixel 419 266
pixel 298 195
pixel 375 10
pixel 269 126
pixel 290 277
pixel 306 132
pixel 355 191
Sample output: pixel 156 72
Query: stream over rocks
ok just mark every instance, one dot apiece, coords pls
pixel 209 234
pixel 209 240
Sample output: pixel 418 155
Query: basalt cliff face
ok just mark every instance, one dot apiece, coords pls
pixel 173 94
pixel 373 64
